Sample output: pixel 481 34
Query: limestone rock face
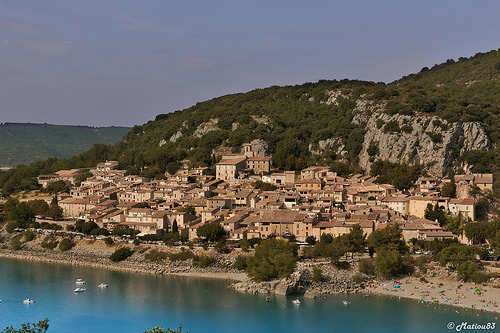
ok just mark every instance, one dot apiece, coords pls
pixel 334 144
pixel 204 128
pixel 419 140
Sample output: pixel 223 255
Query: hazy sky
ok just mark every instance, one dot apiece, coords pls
pixel 122 62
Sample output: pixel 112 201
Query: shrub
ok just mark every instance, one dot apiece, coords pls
pixel 183 255
pixel 273 258
pixel 388 262
pixel 154 255
pixel 424 280
pixel 66 244
pixel 137 242
pixel 203 261
pixel 358 278
pixel 240 263
pixel 245 245
pixel 341 264
pixel 435 137
pixel 221 247
pixel 49 243
pixel 479 277
pixel 392 127
pixel 108 241
pixel 16 243
pixel 121 254
pixel 317 274
pixel 367 267
pixel 29 235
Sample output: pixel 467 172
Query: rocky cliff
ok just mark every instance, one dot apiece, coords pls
pixel 418 140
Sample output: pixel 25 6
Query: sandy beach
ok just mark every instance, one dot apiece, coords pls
pixel 440 290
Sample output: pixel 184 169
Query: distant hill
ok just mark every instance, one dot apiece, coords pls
pixel 26 143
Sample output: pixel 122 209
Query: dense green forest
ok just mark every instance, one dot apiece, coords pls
pixel 292 118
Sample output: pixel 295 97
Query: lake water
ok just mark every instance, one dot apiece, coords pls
pixel 137 302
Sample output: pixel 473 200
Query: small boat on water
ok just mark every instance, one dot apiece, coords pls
pixel 79 290
pixel 28 301
pixel 269 299
pixel 346 302
pixel 296 301
pixel 102 285
pixel 80 281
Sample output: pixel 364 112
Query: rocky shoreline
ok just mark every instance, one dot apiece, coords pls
pixel 301 283
pixel 96 255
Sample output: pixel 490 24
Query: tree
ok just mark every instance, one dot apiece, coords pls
pixel 175 229
pixel 54 211
pixel 390 237
pixel 435 213
pixel 158 329
pixel 188 209
pixel 356 239
pixel 38 206
pixel 479 231
pixel 40 327
pixel 273 258
pixel 21 214
pixel 388 262
pixel 211 231
pixel 449 189
pixel 121 254
pixel 317 274
pixel 366 266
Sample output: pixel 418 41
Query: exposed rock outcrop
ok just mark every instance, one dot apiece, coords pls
pixel 204 128
pixel 425 140
pixel 301 283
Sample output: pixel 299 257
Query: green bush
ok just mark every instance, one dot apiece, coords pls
pixel 466 270
pixel 392 127
pixel 183 255
pixel 222 247
pixel 16 243
pixel 66 244
pixel 358 278
pixel 388 262
pixel 108 241
pixel 29 235
pixel 479 277
pixel 367 267
pixel 317 274
pixel 240 263
pixel 273 258
pixel 154 255
pixel 203 261
pixel 49 243
pixel 341 264
pixel 121 254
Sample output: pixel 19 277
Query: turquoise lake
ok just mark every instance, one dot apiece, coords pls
pixel 137 302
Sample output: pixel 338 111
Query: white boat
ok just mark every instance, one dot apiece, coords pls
pixel 346 302
pixel 80 281
pixel 102 285
pixel 79 290
pixel 28 301
pixel 296 301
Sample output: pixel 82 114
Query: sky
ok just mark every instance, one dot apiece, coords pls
pixel 122 62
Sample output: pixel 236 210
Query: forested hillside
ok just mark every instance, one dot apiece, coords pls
pixel 26 143
pixel 451 109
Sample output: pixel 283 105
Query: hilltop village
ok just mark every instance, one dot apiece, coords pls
pixel 302 205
